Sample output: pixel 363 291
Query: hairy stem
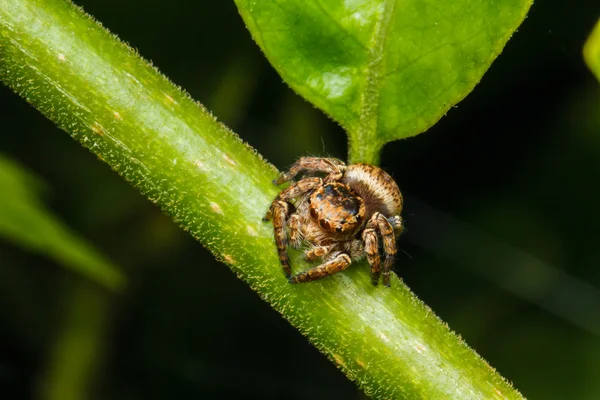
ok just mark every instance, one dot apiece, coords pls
pixel 216 187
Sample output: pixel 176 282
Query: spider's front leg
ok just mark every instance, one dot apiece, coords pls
pixel 293 191
pixel 295 224
pixel 279 212
pixel 339 262
pixel 318 252
pixel 333 167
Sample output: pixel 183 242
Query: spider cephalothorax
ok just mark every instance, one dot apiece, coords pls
pixel 340 217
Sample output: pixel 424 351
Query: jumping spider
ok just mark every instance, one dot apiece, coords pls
pixel 340 217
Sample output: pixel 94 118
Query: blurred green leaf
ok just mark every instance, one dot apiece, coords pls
pixel 26 222
pixel 385 70
pixel 591 51
pixel 79 347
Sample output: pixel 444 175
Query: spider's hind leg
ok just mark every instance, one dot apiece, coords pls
pixel 396 223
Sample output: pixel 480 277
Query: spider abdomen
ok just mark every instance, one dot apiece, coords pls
pixel 378 190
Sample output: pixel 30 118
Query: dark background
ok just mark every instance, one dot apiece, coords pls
pixel 502 210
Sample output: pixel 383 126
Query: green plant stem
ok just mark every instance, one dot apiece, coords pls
pixel 216 187
pixel 363 149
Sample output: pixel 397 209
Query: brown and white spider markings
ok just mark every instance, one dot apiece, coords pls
pixel 340 217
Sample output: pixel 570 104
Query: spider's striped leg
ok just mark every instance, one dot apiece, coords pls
pixel 333 167
pixel 318 252
pixel 397 224
pixel 371 241
pixel 293 191
pixel 385 229
pixel 281 211
pixel 295 230
pixel 338 263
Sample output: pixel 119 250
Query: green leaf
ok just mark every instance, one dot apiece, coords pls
pixel 26 222
pixel 591 51
pixel 383 69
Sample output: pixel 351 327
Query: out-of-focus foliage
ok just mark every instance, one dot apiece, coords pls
pixel 384 70
pixel 25 221
pixel 591 50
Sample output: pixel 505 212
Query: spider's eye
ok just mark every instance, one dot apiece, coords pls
pixel 313 213
pixel 323 223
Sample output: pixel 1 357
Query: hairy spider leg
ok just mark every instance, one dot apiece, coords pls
pixel 333 167
pixel 280 210
pixel 339 263
pixel 293 191
pixel 318 252
pixel 372 249
pixel 388 235
pixel 280 214
pixel 295 231
pixel 396 222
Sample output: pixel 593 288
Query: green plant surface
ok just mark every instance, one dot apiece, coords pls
pixel 591 51
pixel 216 187
pixel 25 221
pixel 383 69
